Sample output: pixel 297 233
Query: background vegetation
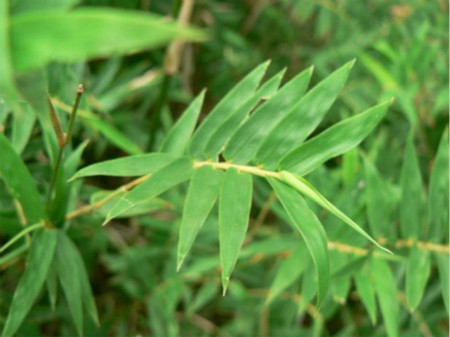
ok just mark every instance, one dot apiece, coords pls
pixel 138 82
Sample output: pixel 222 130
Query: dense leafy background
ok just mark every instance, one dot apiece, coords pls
pixel 395 185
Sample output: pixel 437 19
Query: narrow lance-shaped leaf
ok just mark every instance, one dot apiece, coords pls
pixel 69 277
pixel 386 291
pixel 245 142
pixel 288 272
pixel 411 205
pixel 39 259
pixel 201 197
pixel 178 136
pixel 366 291
pixel 23 122
pixel 310 229
pixel 227 106
pixel 443 267
pixel 417 273
pixel 20 182
pixel 222 135
pixel 376 201
pixel 235 200
pixel 92 33
pixel 334 141
pixel 303 118
pixel 304 187
pixel 167 177
pixel 438 201
pixel 128 166
pixel 7 87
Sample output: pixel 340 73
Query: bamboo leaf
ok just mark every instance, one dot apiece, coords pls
pixel 288 272
pixel 240 93
pixel 366 291
pixel 235 200
pixel 201 197
pixel 438 201
pixel 443 267
pixel 23 122
pixel 304 187
pixel 179 135
pixel 20 182
pixel 311 231
pixel 411 205
pixel 334 141
pixel 69 277
pixel 304 117
pixel 127 167
pixel 92 33
pixel 245 142
pixel 386 291
pixel 167 177
pixel 39 259
pixel 417 273
pixel 23 6
pixel 223 134
pixel 52 283
pixel 7 86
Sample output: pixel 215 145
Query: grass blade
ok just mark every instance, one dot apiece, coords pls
pixel 443 267
pixel 235 200
pixel 417 273
pixel 311 231
pixel 201 197
pixel 334 141
pixel 39 259
pixel 244 143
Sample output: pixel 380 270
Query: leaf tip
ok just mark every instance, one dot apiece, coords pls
pixel 225 282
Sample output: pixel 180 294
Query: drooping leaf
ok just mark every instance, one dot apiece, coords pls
pixel 20 182
pixel 304 117
pixel 39 259
pixel 366 291
pixel 288 272
pixel 304 187
pixel 376 201
pixel 417 273
pixel 128 166
pixel 443 267
pixel 332 142
pixel 69 277
pixel 240 93
pixel 178 136
pixel 235 199
pixel 201 197
pixel 165 178
pixel 438 200
pixel 223 134
pixel 92 33
pixel 245 142
pixel 411 205
pixel 310 229
pixel 386 290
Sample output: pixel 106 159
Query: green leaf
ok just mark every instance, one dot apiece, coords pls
pixel 245 142
pixel 7 86
pixel 288 272
pixel 235 200
pixel 52 283
pixel 39 259
pixel 443 267
pixel 417 273
pixel 179 135
pixel 376 201
pixel 23 6
pixel 304 187
pixel 332 142
pixel 137 165
pixel 412 197
pixel 20 182
pixel 386 290
pixel 201 197
pixel 311 231
pixel 304 117
pixel 91 32
pixel 167 177
pixel 438 201
pixel 23 122
pixel 223 134
pixel 366 291
pixel 21 234
pixel 69 277
pixel 239 94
